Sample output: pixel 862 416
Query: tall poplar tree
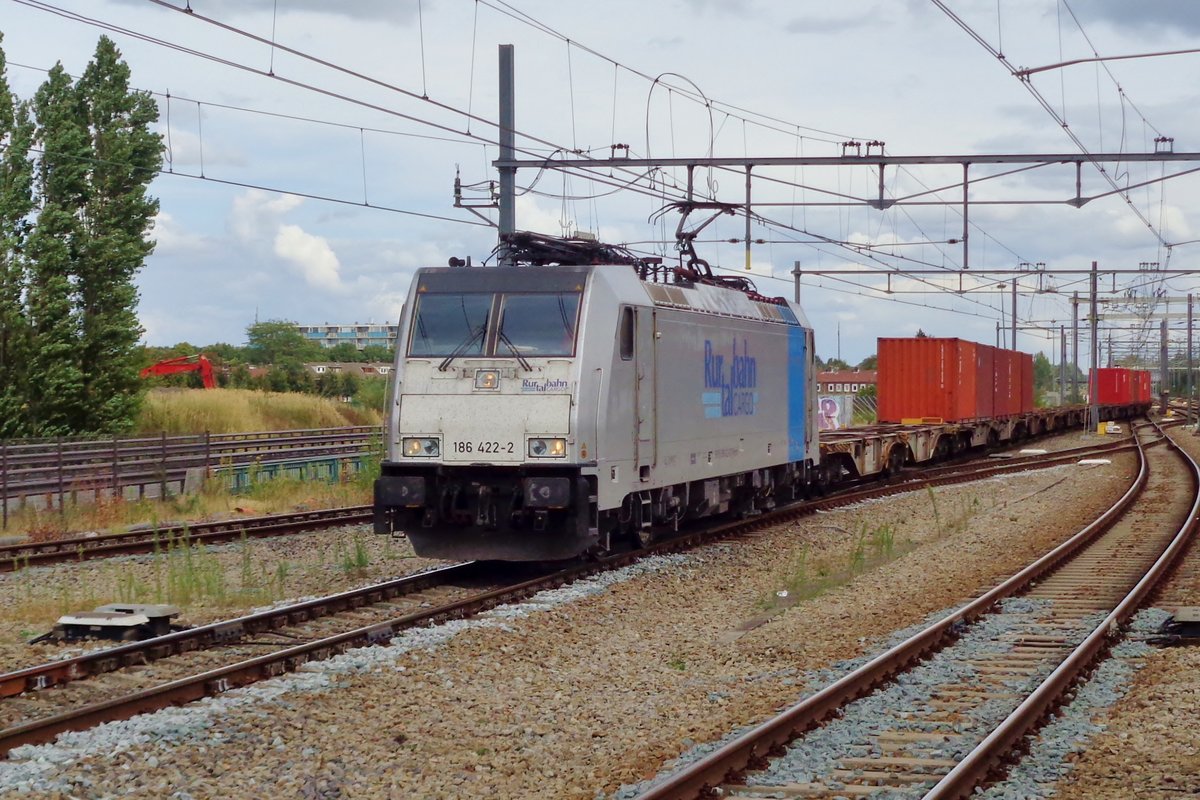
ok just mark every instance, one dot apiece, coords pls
pixel 16 203
pixel 117 213
pixel 55 386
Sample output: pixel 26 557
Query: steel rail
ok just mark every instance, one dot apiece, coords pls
pixel 21 555
pixel 752 747
pixel 266 666
pixel 223 679
pixel 81 548
pixel 981 762
pixel 56 673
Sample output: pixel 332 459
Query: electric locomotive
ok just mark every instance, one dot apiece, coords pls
pixel 587 400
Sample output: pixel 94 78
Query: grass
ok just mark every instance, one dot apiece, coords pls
pixel 184 411
pixel 113 515
pixel 805 578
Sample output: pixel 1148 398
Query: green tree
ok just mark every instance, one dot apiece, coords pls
pixel 117 215
pixel 343 352
pixel 16 203
pixel 375 352
pixel 1045 377
pixel 55 387
pixel 836 365
pixel 276 340
pixel 870 362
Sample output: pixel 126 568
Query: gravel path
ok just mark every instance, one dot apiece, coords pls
pixel 599 691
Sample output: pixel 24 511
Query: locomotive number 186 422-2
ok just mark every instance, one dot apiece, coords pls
pixel 486 448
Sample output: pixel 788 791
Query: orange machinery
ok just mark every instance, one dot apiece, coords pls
pixel 173 366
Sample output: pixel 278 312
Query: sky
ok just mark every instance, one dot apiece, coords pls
pixel 308 180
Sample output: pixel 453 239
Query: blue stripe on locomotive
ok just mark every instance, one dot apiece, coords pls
pixel 797 386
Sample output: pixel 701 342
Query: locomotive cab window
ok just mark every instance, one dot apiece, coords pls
pixel 626 333
pixel 538 324
pixel 527 325
pixel 450 323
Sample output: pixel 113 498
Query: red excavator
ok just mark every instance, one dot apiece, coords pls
pixel 172 366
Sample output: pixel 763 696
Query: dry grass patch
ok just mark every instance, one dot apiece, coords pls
pixel 184 411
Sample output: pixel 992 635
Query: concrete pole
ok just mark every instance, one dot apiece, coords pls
pixel 1191 384
pixel 1014 313
pixel 1093 409
pixel 1075 344
pixel 1164 389
pixel 508 141
pixel 1062 365
pixel 796 272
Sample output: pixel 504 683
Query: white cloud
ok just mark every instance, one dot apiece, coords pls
pixel 257 215
pixel 172 238
pixel 310 255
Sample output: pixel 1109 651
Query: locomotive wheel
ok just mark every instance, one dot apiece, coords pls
pixel 644 536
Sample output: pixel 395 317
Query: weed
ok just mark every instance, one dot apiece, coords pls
pixel 677 663
pixel 937 518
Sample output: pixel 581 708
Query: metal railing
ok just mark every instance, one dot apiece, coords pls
pixel 51 473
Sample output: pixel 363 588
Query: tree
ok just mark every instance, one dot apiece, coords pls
pixel 870 362
pixel 343 352
pixel 117 214
pixel 275 340
pixel 375 352
pixel 55 384
pixel 16 203
pixel 836 365
pixel 921 334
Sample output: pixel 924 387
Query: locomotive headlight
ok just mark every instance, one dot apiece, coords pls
pixel 547 448
pixel 487 379
pixel 416 447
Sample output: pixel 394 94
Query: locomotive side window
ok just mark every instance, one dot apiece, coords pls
pixel 626 333
pixel 446 323
pixel 538 325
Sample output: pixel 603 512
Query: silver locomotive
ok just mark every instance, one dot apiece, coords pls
pixel 541 412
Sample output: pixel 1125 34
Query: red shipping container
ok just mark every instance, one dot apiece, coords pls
pixel 1006 385
pixel 985 388
pixel 932 378
pixel 1026 362
pixel 1112 386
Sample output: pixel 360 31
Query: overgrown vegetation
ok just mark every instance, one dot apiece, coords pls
pixel 805 578
pixel 237 410
pixel 278 353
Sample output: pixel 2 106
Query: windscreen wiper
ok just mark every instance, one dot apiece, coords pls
pixel 462 348
pixel 525 365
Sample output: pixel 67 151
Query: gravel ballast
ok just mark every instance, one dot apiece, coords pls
pixel 600 691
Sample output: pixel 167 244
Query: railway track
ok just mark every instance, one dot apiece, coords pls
pixel 82 548
pixel 59 467
pixel 34 713
pixel 939 714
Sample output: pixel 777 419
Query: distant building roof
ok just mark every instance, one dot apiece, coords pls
pixel 350 368
pixel 859 376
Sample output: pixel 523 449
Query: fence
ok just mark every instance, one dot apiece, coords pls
pixel 51 472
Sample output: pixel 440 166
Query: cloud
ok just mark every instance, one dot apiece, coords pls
pixel 386 10
pixel 172 238
pixel 310 255
pixel 256 214
pixel 1163 14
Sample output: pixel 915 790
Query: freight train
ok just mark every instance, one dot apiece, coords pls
pixel 588 400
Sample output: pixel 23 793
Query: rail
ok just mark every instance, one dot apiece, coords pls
pixel 735 757
pixel 49 473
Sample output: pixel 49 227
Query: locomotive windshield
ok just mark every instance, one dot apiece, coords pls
pixel 496 325
pixel 446 323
